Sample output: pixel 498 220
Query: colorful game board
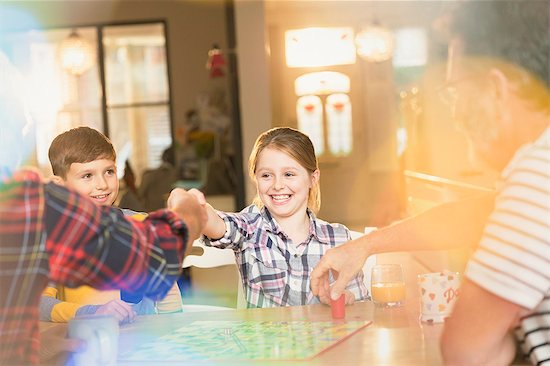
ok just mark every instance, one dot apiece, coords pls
pixel 245 340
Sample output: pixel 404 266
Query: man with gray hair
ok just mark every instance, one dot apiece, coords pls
pixel 498 87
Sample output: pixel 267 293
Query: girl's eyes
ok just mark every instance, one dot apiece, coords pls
pixel 267 175
pixel 111 171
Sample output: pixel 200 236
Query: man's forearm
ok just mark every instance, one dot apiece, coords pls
pixel 447 226
pixel 478 331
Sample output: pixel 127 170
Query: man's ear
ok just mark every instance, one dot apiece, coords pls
pixel 57 180
pixel 500 85
pixel 501 90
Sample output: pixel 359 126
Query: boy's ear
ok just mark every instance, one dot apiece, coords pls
pixel 57 180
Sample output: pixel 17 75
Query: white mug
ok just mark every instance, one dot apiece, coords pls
pixel 100 332
pixel 438 294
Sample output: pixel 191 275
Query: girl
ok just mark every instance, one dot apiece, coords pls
pixel 278 240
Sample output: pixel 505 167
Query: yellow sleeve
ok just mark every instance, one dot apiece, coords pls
pixel 172 302
pixel 62 303
pixel 53 309
pixel 139 216
pixel 50 291
pixel 64 311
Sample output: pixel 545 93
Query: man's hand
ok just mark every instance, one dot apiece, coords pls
pixel 54 344
pixel 344 262
pixel 121 310
pixel 191 208
pixel 325 299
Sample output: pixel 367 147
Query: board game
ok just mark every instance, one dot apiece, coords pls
pixel 245 340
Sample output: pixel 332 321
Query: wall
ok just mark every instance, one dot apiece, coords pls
pixel 254 95
pixel 193 26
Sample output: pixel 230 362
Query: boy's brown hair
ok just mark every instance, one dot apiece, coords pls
pixel 78 145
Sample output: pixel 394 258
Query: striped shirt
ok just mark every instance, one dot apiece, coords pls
pixel 274 270
pixel 513 258
pixel 50 233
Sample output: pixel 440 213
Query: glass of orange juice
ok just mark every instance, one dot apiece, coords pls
pixel 387 285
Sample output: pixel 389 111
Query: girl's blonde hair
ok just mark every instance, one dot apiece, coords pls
pixel 298 146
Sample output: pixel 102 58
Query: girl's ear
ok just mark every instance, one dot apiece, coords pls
pixel 315 177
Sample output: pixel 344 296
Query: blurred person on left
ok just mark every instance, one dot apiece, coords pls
pixel 49 233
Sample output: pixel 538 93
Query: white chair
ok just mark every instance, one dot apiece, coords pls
pixel 211 258
pixel 371 260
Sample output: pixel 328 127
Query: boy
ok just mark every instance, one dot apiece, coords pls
pixel 84 160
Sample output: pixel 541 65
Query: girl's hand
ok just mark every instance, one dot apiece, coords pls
pixel 350 297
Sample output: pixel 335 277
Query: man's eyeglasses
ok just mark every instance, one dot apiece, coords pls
pixel 448 93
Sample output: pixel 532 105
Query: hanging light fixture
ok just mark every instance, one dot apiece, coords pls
pixel 77 54
pixel 375 43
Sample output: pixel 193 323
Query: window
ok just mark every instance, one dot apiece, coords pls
pixel 323 108
pixel 333 115
pixel 409 61
pixel 136 109
pixel 137 95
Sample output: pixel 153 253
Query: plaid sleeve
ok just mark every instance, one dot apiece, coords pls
pixel 98 246
pixel 239 227
pixel 358 288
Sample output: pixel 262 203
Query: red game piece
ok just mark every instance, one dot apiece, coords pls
pixel 338 307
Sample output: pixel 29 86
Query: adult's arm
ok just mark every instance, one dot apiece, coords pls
pixel 98 246
pixel 449 225
pixel 479 329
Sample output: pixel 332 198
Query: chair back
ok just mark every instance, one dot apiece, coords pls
pixel 203 256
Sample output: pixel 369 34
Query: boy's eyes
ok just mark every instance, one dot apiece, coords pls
pixel 109 172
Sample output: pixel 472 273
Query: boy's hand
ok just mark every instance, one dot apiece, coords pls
pixel 191 208
pixel 122 311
